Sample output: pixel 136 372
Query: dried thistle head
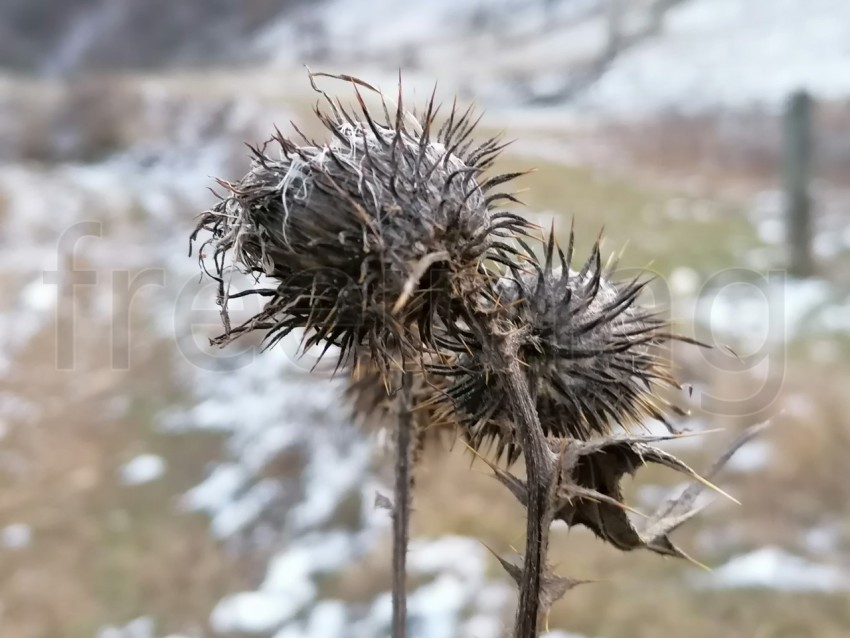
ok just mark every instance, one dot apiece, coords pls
pixel 591 353
pixel 372 237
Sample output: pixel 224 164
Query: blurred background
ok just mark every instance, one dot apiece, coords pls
pixel 150 487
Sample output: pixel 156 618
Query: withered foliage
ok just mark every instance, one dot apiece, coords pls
pixel 387 245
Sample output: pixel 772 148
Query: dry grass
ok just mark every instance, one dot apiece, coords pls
pixel 101 551
pixel 652 228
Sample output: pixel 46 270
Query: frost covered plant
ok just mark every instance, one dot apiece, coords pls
pixel 386 244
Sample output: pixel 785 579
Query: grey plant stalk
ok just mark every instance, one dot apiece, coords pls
pixel 401 510
pixel 537 471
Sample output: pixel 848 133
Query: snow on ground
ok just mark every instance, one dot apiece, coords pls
pixel 388 29
pixel 754 456
pixel 142 469
pixel 774 568
pixel 33 306
pixel 377 24
pixel 16 536
pixel 707 53
pixel 823 539
pixel 456 588
pixel 762 311
pixel 271 406
pixel 142 627
pixel 732 53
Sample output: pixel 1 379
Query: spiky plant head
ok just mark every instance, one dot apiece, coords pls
pixel 592 354
pixel 372 237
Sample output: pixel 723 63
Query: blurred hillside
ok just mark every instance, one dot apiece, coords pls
pixel 151 487
pixel 49 37
pixel 620 56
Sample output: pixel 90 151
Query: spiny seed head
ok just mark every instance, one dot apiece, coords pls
pixel 590 351
pixel 372 237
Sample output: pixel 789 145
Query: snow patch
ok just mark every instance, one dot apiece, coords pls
pixel 16 536
pixel 774 568
pixel 142 627
pixel 731 53
pixel 257 612
pixel 823 539
pixel 142 469
pixel 234 516
pixel 753 456
pixel 773 310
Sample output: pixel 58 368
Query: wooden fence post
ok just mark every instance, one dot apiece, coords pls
pixel 797 160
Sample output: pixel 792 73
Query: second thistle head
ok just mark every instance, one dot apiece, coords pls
pixel 370 237
pixel 592 354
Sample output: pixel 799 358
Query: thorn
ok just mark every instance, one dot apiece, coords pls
pixel 694 561
pixel 712 486
pixel 684 434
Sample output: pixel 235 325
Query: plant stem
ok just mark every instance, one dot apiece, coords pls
pixel 401 510
pixel 537 525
